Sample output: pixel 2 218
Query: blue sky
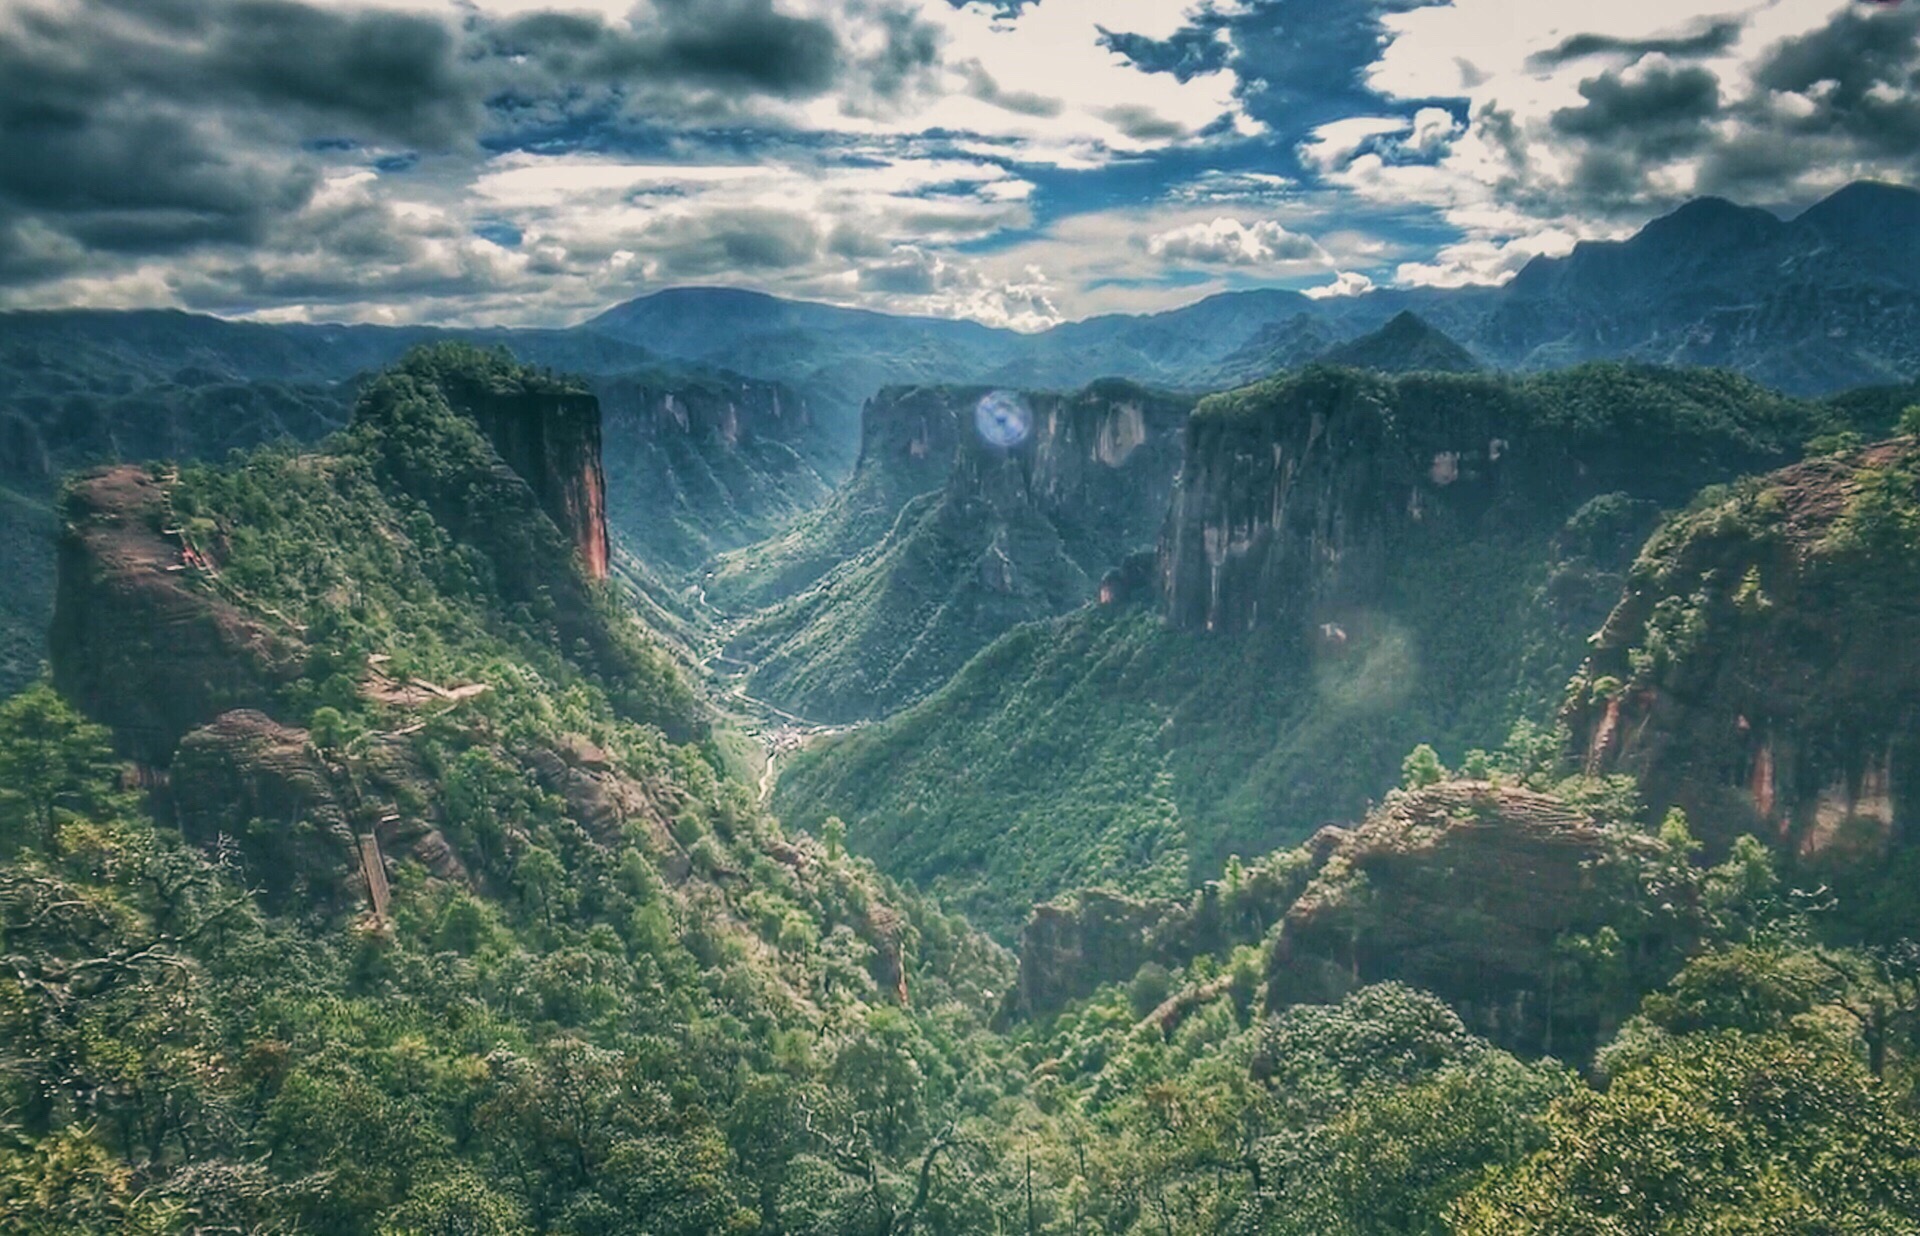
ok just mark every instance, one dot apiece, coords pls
pixel 514 161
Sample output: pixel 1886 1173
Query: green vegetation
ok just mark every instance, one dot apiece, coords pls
pixel 997 537
pixel 74 403
pixel 405 541
pixel 1106 749
pixel 673 1015
pixel 592 1048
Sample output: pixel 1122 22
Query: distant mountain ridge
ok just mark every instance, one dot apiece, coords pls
pixel 1408 343
pixel 1825 300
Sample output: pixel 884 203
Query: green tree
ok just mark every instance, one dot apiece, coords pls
pixel 1422 768
pixel 52 761
pixel 1718 1132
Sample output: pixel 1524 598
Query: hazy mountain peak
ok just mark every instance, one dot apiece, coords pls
pixel 1407 343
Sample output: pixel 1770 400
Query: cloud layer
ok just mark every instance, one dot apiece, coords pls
pixel 1014 162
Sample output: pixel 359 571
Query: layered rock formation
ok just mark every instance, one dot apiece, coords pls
pixel 1759 671
pixel 294 815
pixel 143 638
pixel 207 684
pixel 1297 496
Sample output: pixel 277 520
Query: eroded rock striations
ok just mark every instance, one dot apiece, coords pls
pixel 1760 672
pixel 1298 496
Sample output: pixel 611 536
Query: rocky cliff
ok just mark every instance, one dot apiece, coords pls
pixel 1353 564
pixel 1489 895
pixel 1041 496
pixel 1300 497
pixel 1475 891
pixel 143 637
pixel 271 640
pixel 700 464
pixel 1760 670
pixel 548 433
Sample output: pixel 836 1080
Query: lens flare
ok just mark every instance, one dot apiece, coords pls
pixel 1003 418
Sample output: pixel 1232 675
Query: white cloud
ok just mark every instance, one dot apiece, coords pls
pixel 1518 184
pixel 1334 145
pixel 1346 283
pixel 1434 129
pixel 1229 242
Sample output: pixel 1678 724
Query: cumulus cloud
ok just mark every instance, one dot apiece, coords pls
pixel 531 160
pixel 236 153
pixel 1229 242
pixel 1588 135
pixel 1345 283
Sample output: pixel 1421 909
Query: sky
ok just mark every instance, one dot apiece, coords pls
pixel 1018 162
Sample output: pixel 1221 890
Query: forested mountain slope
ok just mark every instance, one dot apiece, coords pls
pixel 1029 520
pixel 1352 564
pixel 388 899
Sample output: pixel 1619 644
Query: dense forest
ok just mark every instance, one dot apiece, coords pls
pixel 366 866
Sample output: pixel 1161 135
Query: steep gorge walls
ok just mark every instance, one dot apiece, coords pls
pixel 1030 514
pixel 1351 564
pixel 698 465
pixel 908 436
pixel 1300 497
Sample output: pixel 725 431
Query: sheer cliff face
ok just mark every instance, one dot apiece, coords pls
pixel 552 439
pixel 1302 500
pixel 1295 496
pixel 1099 462
pixel 732 414
pixel 1760 671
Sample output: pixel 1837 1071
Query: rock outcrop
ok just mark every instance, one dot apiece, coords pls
pixel 144 639
pixel 1299 497
pixel 1471 891
pixel 1481 893
pixel 549 434
pixel 294 818
pixel 607 802
pixel 1763 669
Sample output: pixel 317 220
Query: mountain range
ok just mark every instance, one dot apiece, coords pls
pixel 367 865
